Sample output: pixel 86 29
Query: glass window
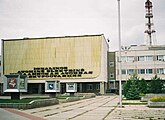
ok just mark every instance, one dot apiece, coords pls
pixel 149 58
pixel 130 58
pixel 123 71
pixel 141 71
pixel 160 71
pixel 149 71
pixel 160 57
pixel 97 86
pixel 111 64
pixel 141 58
pixel 89 86
pixel 123 59
pixel 130 71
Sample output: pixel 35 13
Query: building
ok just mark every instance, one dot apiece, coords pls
pixel 1 87
pixel 75 59
pixel 145 61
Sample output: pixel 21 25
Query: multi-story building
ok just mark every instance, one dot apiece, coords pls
pixel 68 59
pixel 145 61
pixel 1 85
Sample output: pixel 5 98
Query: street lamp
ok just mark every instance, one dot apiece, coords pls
pixel 120 87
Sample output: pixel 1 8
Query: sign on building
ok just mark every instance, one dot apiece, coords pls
pixel 15 83
pixel 71 87
pixel 52 86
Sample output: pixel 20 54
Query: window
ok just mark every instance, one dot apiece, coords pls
pixel 97 86
pixel 130 58
pixel 89 86
pixel 160 58
pixel 111 64
pixel 141 58
pixel 123 71
pixel 149 58
pixel 123 59
pixel 141 71
pixel 160 71
pixel 149 71
pixel 130 71
pixel 127 59
pixel 111 75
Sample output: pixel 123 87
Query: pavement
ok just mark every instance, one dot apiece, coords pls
pixel 98 108
pixel 137 112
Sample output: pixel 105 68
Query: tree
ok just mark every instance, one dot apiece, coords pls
pixel 133 92
pixel 127 86
pixel 156 85
pixel 142 85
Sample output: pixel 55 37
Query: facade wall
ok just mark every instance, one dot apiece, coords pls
pixel 146 62
pixel 79 59
pixel 1 81
pixel 111 66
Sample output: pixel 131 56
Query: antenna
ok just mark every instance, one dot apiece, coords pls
pixel 149 24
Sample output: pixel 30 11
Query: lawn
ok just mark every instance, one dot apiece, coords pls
pixel 24 100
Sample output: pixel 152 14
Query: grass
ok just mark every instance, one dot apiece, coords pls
pixel 62 97
pixel 133 102
pixel 158 99
pixel 24 100
pixel 138 103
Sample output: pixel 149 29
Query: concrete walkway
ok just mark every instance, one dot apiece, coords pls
pixel 89 109
pixel 137 112
pixel 98 108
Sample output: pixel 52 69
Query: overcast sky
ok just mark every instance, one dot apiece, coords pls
pixel 51 18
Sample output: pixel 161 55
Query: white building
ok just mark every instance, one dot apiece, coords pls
pixel 145 61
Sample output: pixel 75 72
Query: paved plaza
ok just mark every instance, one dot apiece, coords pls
pixel 98 108
pixel 137 112
pixel 89 109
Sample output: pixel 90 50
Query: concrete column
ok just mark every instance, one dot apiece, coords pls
pixel 40 89
pixel 15 96
pixel 114 84
pixel 102 88
pixel 80 87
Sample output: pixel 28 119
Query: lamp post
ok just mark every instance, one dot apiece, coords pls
pixel 119 31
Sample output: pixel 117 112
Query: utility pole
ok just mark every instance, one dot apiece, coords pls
pixel 119 61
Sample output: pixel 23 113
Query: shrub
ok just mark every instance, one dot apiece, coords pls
pixel 133 92
pixel 156 85
pixel 131 88
pixel 158 99
pixel 142 85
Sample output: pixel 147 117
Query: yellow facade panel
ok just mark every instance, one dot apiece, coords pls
pixel 65 57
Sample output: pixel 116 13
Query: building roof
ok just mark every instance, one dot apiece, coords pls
pixel 27 38
pixel 143 47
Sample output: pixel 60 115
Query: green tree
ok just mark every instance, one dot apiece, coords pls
pixel 130 89
pixel 127 86
pixel 142 85
pixel 156 85
pixel 133 92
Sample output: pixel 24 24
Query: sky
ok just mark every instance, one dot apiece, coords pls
pixel 53 18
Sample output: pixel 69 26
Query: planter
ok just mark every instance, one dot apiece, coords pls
pixel 156 104
pixel 33 104
pixel 149 96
